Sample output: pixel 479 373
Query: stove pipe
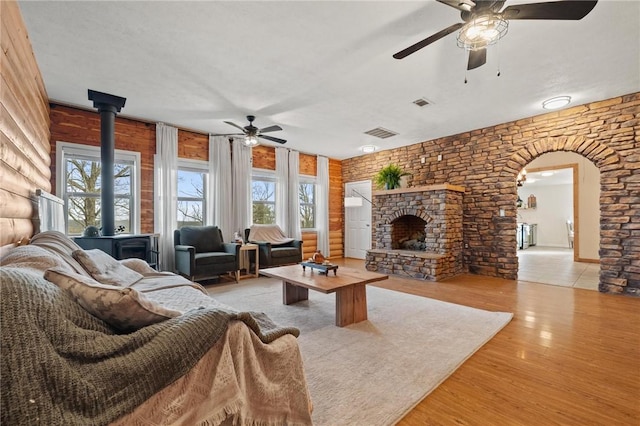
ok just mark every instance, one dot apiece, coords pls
pixel 108 106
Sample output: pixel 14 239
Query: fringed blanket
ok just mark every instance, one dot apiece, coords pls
pixel 269 233
pixel 62 366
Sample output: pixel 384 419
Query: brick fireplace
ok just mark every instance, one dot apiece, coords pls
pixel 417 232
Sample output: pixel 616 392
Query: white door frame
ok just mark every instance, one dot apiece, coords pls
pixel 357 220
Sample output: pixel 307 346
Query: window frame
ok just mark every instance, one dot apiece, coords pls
pixel 198 166
pixel 306 180
pixel 264 175
pixel 65 150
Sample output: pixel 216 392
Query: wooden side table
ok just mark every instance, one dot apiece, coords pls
pixel 245 260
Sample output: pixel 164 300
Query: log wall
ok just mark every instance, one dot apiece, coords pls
pixel 24 133
pixel 70 124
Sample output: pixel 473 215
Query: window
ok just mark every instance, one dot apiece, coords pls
pixel 263 193
pixel 80 186
pixel 263 196
pixel 307 195
pixel 192 184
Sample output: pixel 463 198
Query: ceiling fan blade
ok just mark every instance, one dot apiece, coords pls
pixel 228 134
pixel 569 10
pixel 235 125
pixel 427 41
pixel 270 129
pixel 459 4
pixel 271 138
pixel 477 58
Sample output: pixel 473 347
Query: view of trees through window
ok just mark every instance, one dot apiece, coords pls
pixel 191 202
pixel 82 194
pixel 263 193
pixel 83 185
pixel 307 195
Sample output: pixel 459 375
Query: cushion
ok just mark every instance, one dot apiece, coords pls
pixel 33 258
pixel 285 252
pixel 123 308
pixel 105 268
pixel 217 258
pixel 203 238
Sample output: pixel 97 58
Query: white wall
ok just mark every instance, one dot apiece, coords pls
pixel 554 207
pixel 588 225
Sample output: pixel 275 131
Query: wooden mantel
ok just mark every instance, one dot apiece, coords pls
pixel 425 188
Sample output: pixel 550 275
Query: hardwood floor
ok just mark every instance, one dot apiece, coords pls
pixel 569 356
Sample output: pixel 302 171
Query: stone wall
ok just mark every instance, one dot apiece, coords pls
pixel 486 161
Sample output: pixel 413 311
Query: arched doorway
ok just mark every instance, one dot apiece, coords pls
pixel 560 212
pixel 616 201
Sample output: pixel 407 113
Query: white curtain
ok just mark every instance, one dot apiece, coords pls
pixel 293 205
pixel 219 207
pixel 282 189
pixel 322 205
pixel 241 200
pixel 166 182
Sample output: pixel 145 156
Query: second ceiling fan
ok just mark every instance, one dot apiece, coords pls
pixel 484 24
pixel 252 133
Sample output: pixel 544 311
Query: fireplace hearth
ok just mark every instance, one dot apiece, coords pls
pixel 417 232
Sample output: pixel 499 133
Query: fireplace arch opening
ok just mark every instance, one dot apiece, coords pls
pixel 408 232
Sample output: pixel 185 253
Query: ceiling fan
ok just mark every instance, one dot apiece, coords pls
pixel 252 133
pixel 484 24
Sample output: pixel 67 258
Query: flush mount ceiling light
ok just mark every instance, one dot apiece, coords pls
pixel 557 102
pixel 546 174
pixel 367 149
pixel 482 31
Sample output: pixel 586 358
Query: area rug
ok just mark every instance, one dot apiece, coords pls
pixel 375 371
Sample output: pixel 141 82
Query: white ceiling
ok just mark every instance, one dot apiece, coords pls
pixel 323 70
pixel 549 177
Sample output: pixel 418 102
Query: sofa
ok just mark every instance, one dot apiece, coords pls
pixel 274 247
pixel 91 340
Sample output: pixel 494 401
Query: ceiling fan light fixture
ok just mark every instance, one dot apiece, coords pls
pixel 482 31
pixel 557 102
pixel 251 140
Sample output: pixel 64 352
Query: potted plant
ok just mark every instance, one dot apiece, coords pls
pixel 389 177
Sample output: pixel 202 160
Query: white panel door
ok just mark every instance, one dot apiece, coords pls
pixel 358 220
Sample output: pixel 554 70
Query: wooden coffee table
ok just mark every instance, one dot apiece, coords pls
pixel 349 285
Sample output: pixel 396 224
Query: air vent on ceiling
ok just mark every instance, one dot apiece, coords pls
pixel 380 132
pixel 421 102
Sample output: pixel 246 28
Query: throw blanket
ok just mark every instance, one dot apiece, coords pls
pixel 269 233
pixel 62 366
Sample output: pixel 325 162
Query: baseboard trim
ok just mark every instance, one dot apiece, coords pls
pixel 579 259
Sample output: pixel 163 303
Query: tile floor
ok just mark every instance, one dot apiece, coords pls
pixel 555 266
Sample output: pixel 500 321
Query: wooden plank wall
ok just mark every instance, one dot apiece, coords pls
pixel 24 133
pixel 70 124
